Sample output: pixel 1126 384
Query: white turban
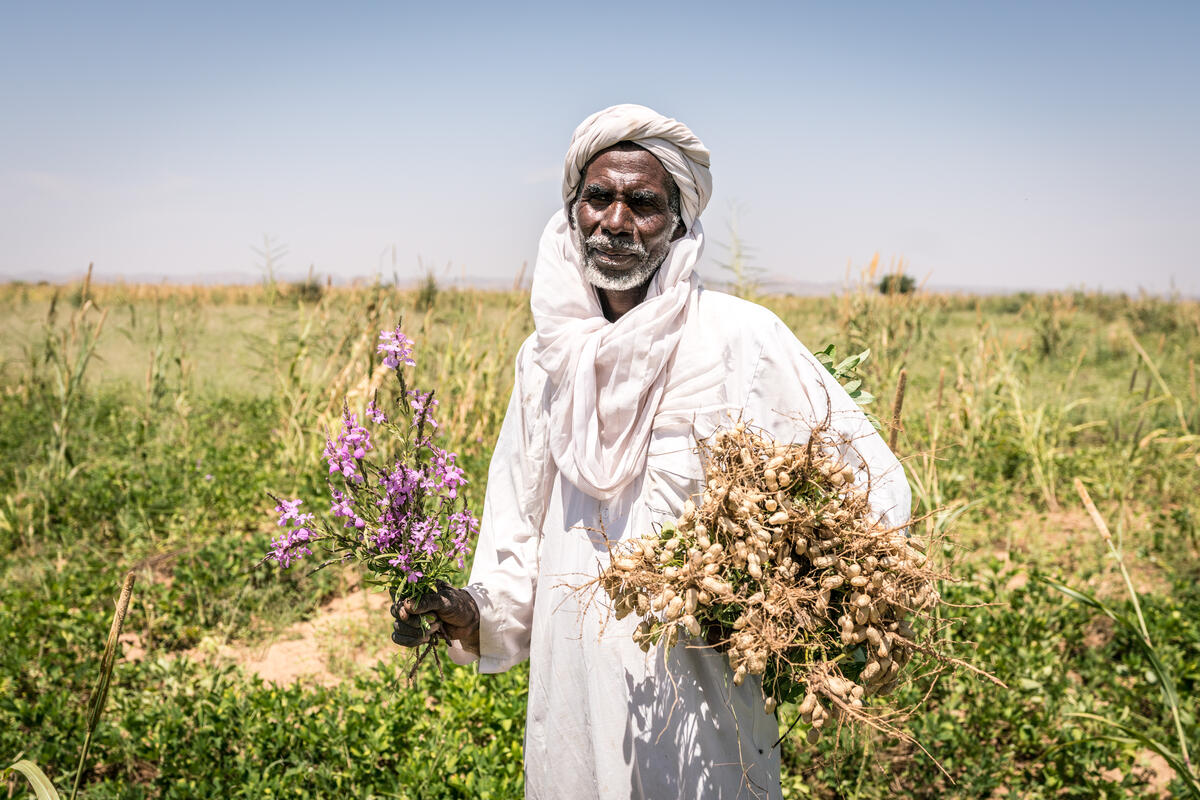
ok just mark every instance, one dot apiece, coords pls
pixel 608 378
pixel 683 155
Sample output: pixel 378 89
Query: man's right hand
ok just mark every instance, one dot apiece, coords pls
pixel 450 610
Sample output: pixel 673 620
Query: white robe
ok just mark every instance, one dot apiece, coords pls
pixel 606 720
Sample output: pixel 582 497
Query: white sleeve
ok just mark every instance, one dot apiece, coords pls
pixel 504 573
pixel 790 392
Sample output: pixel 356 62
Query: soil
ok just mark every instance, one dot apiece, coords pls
pixel 347 634
pixel 1062 543
pixel 1149 768
pixel 1155 770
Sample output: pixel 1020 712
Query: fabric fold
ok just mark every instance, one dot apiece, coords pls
pixel 607 377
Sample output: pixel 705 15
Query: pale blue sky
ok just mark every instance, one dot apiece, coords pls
pixel 1005 144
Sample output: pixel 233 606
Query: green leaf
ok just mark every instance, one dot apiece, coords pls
pixel 1135 736
pixel 825 357
pixel 846 366
pixel 43 789
pixel 1081 597
pixel 852 362
pixel 1164 679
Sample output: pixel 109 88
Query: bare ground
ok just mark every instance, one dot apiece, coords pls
pixel 348 634
pixel 1063 544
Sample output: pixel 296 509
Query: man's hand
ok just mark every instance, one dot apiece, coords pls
pixel 453 612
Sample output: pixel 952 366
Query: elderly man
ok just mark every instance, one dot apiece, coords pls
pixel 632 361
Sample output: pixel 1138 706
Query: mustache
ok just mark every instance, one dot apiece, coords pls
pixel 603 241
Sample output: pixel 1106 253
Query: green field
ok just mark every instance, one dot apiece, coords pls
pixel 141 428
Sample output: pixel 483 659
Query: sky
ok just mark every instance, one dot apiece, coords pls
pixel 1005 145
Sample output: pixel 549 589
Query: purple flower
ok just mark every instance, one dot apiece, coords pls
pixel 293 545
pixel 463 525
pixel 389 534
pixel 403 522
pixel 444 473
pixel 377 416
pixel 352 443
pixel 403 563
pixel 425 535
pixel 342 506
pixel 423 406
pixel 396 349
pixel 400 485
pixel 288 510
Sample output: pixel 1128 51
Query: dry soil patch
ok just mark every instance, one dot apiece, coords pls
pixel 347 634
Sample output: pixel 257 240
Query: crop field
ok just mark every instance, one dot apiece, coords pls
pixel 142 427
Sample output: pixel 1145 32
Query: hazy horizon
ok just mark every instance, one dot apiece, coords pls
pixel 1021 146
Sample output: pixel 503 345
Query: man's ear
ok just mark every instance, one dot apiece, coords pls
pixel 570 217
pixel 680 231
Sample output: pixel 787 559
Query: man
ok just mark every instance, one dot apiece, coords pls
pixel 632 361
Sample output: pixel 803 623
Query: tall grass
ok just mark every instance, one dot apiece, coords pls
pixel 192 401
pixel 42 786
pixel 1137 730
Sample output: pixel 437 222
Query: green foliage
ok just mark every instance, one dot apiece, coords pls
pixel 43 789
pixel 168 477
pixel 308 290
pixel 1050 317
pixel 1027 740
pixel 427 293
pixel 897 283
pixel 891 325
pixel 373 737
pixel 1178 756
pixel 846 372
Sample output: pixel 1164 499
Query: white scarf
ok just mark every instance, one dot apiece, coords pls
pixel 608 377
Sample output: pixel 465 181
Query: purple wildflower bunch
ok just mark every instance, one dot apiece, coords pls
pixel 403 515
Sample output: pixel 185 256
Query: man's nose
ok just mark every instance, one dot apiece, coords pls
pixel 617 219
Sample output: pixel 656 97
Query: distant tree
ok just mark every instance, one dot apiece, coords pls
pixel 427 292
pixel 309 290
pixel 897 283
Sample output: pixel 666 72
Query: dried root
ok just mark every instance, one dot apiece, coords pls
pixel 783 565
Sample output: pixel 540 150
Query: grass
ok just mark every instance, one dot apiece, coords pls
pixel 198 400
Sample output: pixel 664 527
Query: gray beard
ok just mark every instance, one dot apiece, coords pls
pixel 619 280
pixel 615 280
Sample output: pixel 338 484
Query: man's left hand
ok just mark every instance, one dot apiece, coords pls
pixel 453 610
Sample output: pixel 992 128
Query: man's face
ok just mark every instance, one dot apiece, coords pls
pixel 622 222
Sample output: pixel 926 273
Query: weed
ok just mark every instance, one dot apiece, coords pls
pixel 177 424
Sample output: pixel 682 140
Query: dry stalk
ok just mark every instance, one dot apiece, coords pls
pixel 100 694
pixel 897 408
